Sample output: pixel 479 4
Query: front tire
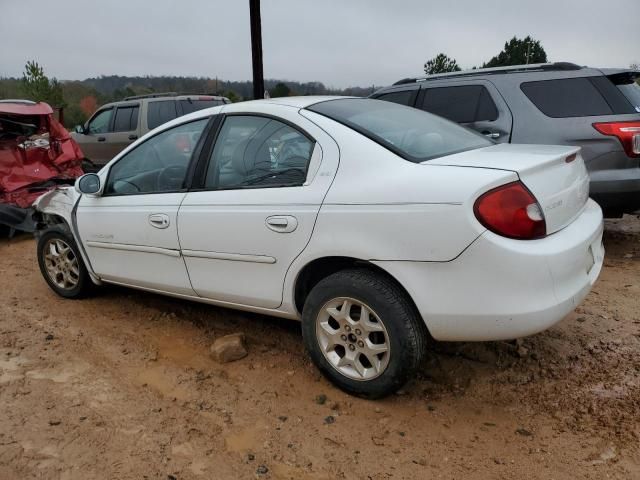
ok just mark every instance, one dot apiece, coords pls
pixel 363 333
pixel 61 264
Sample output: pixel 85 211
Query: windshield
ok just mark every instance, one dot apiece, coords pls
pixel 413 134
pixel 627 83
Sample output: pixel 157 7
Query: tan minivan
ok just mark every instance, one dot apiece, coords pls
pixel 115 125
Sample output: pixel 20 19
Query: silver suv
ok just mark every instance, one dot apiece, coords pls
pixel 553 103
pixel 115 125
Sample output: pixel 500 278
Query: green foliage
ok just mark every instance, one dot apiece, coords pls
pixel 36 86
pixel 233 96
pixel 280 90
pixel 441 63
pixel 519 52
pixel 105 89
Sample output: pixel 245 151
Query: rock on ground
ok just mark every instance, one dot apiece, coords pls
pixel 229 348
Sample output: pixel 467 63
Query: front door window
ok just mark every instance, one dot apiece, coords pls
pixel 157 165
pixel 100 122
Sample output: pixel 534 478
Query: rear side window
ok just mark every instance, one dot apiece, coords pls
pixel 408 132
pixel 192 105
pixel 255 152
pixel 160 112
pixel 403 98
pixel 568 97
pixel 463 104
pixel 126 119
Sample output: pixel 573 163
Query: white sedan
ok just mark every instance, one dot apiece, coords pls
pixel 377 225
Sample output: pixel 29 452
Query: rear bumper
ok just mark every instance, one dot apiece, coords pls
pixel 616 190
pixel 500 288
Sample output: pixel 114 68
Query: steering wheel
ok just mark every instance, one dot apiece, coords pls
pixel 118 189
pixel 171 178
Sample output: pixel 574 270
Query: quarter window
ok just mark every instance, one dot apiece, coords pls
pixel 567 97
pixel 126 119
pixel 100 122
pixel 157 165
pixel 463 104
pixel 160 112
pixel 254 151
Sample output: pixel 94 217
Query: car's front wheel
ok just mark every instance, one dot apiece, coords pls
pixel 362 332
pixel 61 265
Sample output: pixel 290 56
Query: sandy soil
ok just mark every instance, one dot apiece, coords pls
pixel 121 386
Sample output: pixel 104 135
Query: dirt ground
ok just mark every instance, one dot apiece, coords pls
pixel 121 386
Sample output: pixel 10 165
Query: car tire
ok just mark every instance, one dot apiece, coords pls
pixel 349 350
pixel 61 264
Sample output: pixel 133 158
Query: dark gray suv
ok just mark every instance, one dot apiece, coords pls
pixel 554 103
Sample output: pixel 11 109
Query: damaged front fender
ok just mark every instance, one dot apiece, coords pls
pixel 55 209
pixel 58 202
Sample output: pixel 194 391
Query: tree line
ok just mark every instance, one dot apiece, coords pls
pixel 515 52
pixel 80 98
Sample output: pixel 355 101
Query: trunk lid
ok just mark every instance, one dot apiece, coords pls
pixel 555 175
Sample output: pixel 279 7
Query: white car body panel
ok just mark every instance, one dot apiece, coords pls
pixel 361 201
pixel 501 288
pixel 244 247
pixel 124 247
pixel 555 174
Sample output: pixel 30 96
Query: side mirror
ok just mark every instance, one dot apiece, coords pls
pixel 88 184
pixel 79 129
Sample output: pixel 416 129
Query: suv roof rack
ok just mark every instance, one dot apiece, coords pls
pixel 534 67
pixel 168 94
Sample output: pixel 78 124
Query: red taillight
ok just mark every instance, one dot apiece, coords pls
pixel 627 132
pixel 512 211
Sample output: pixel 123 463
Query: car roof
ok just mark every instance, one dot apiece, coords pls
pixel 25 107
pixel 297 102
pixel 571 69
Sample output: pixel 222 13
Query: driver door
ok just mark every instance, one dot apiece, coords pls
pixel 130 231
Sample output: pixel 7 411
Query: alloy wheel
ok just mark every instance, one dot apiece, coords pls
pixel 61 264
pixel 353 339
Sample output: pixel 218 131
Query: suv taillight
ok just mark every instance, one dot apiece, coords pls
pixel 512 211
pixel 627 132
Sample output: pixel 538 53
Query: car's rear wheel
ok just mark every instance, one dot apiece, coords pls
pixel 362 332
pixel 61 264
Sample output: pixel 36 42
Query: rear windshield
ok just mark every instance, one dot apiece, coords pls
pixel 410 133
pixel 627 83
pixel 192 105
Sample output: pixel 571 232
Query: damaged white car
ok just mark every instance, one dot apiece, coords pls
pixel 375 224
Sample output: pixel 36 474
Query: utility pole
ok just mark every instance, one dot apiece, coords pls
pixel 256 49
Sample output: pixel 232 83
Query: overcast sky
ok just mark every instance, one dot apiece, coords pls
pixel 338 42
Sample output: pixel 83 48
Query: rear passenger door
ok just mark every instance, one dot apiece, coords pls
pixel 253 207
pixel 475 104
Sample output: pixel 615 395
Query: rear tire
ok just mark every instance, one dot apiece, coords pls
pixel 370 357
pixel 61 264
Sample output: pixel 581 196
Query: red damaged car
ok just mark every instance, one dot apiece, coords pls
pixel 36 155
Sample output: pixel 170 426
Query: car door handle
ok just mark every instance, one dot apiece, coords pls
pixel 491 134
pixel 159 220
pixel 101 139
pixel 282 223
pixel 133 137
